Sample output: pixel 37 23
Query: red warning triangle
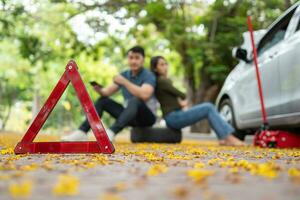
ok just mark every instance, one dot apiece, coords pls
pixel 102 143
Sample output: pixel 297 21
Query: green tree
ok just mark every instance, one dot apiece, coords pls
pixel 37 40
pixel 205 58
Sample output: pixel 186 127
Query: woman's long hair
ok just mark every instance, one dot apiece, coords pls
pixel 154 62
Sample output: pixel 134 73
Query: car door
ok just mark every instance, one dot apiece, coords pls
pixel 289 68
pixel 268 62
pixel 268 67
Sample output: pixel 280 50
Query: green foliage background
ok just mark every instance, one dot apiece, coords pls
pixel 37 38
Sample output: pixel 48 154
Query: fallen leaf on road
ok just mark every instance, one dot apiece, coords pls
pixel 67 185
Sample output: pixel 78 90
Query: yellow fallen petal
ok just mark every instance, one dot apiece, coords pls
pixel 234 170
pixel 22 189
pixel 266 170
pixel 199 165
pixel 199 175
pixel 157 169
pixel 30 167
pixel 7 151
pixel 294 174
pixel 110 196
pixel 213 161
pixel 67 185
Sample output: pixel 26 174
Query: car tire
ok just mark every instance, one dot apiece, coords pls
pixel 227 112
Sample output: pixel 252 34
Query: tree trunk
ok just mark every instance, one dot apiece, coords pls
pixel 6 117
pixel 206 93
pixel 287 4
pixel 36 103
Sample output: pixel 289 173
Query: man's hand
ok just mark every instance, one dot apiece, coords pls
pixel 120 80
pixel 143 92
pixel 107 91
pixel 98 89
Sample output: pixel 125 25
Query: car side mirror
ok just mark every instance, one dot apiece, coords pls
pixel 240 54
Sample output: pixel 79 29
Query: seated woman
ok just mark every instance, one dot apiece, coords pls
pixel 172 100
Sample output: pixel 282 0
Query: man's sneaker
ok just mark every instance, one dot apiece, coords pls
pixel 77 135
pixel 110 134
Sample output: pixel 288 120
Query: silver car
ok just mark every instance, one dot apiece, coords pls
pixel 279 64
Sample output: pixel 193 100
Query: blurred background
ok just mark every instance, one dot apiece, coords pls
pixel 37 38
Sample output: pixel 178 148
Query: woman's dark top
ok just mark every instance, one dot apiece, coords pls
pixel 167 95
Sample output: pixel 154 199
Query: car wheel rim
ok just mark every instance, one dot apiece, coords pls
pixel 226 113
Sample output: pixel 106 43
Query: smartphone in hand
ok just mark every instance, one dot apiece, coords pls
pixel 94 83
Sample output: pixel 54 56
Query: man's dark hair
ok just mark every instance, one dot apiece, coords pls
pixel 137 49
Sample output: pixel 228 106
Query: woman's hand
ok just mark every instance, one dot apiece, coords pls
pixel 183 103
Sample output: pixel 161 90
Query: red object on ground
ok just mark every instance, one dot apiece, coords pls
pixel 276 139
pixel 102 143
pixel 265 137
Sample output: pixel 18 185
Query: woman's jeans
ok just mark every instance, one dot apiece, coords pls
pixel 179 119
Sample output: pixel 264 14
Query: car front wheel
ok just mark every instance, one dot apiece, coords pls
pixel 227 113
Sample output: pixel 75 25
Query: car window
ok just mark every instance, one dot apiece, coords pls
pixel 294 24
pixel 276 34
pixel 297 15
pixel 298 26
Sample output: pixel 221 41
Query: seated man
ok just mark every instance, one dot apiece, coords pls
pixel 137 85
